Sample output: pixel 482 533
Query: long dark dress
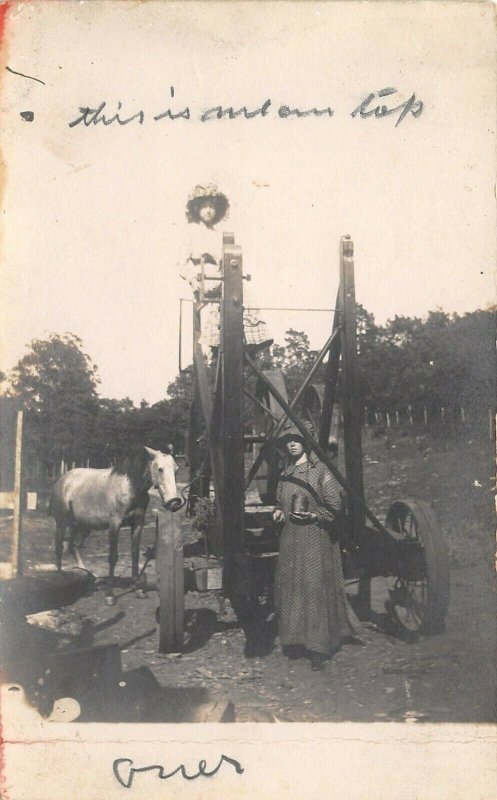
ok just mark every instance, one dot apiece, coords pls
pixel 310 592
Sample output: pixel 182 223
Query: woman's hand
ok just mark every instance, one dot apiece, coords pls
pixel 278 515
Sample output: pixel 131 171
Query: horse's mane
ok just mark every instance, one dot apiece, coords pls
pixel 133 465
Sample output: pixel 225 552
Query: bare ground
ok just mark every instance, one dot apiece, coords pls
pixel 447 677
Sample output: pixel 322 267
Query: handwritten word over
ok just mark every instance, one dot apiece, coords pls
pixel 124 771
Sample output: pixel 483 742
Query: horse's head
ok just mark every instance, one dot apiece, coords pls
pixel 161 471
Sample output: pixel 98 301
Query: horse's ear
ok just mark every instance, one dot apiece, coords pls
pixel 151 453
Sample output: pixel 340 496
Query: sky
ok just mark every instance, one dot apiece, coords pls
pixel 93 216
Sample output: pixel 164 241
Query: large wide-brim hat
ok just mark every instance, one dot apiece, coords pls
pixel 290 431
pixel 200 193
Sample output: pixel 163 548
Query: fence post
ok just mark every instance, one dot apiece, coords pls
pixel 16 543
pixel 409 411
pixel 171 582
pixel 425 415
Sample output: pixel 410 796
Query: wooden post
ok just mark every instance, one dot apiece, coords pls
pixel 171 569
pixel 425 415
pixel 351 405
pixel 409 410
pixel 389 422
pixel 235 574
pixel 17 522
pixel 397 417
pixel 331 378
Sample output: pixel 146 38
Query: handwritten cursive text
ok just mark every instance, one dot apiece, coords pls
pixel 375 104
pixel 412 106
pixel 124 771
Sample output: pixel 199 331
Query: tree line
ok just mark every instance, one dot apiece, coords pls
pixel 440 362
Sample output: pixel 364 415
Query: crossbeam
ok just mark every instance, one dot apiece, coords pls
pixel 311 441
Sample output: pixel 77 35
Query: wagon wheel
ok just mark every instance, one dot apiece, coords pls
pixel 420 604
pixel 266 476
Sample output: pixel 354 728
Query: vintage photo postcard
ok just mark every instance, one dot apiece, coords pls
pixel 247 400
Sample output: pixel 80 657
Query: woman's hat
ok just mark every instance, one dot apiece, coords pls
pixel 290 431
pixel 206 192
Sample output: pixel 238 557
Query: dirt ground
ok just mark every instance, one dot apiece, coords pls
pixel 442 678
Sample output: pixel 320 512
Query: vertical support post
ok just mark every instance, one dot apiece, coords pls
pixel 231 428
pixel 17 522
pixel 194 448
pixel 352 416
pixel 171 569
pixel 331 377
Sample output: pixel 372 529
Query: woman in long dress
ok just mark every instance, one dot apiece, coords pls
pixel 313 613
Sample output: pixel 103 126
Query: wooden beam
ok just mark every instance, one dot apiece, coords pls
pixel 195 430
pixel 311 441
pixel 232 416
pixel 310 375
pixel 17 522
pixel 352 412
pixel 352 416
pixel 331 378
pixel 171 569
pixel 211 426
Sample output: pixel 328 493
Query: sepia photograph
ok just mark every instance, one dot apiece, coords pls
pixel 247 399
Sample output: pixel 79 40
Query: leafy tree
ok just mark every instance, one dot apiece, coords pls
pixel 294 359
pixel 56 382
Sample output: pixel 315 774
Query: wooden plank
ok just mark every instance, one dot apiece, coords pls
pixel 170 566
pixel 331 378
pixel 232 414
pixel 352 411
pixel 179 583
pixel 17 524
pixel 195 431
pixel 207 412
pixel 352 416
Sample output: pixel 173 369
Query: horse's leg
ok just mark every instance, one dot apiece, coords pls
pixel 76 542
pixel 113 555
pixel 60 530
pixel 136 532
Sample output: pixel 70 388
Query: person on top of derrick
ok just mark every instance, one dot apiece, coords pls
pixel 205 208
